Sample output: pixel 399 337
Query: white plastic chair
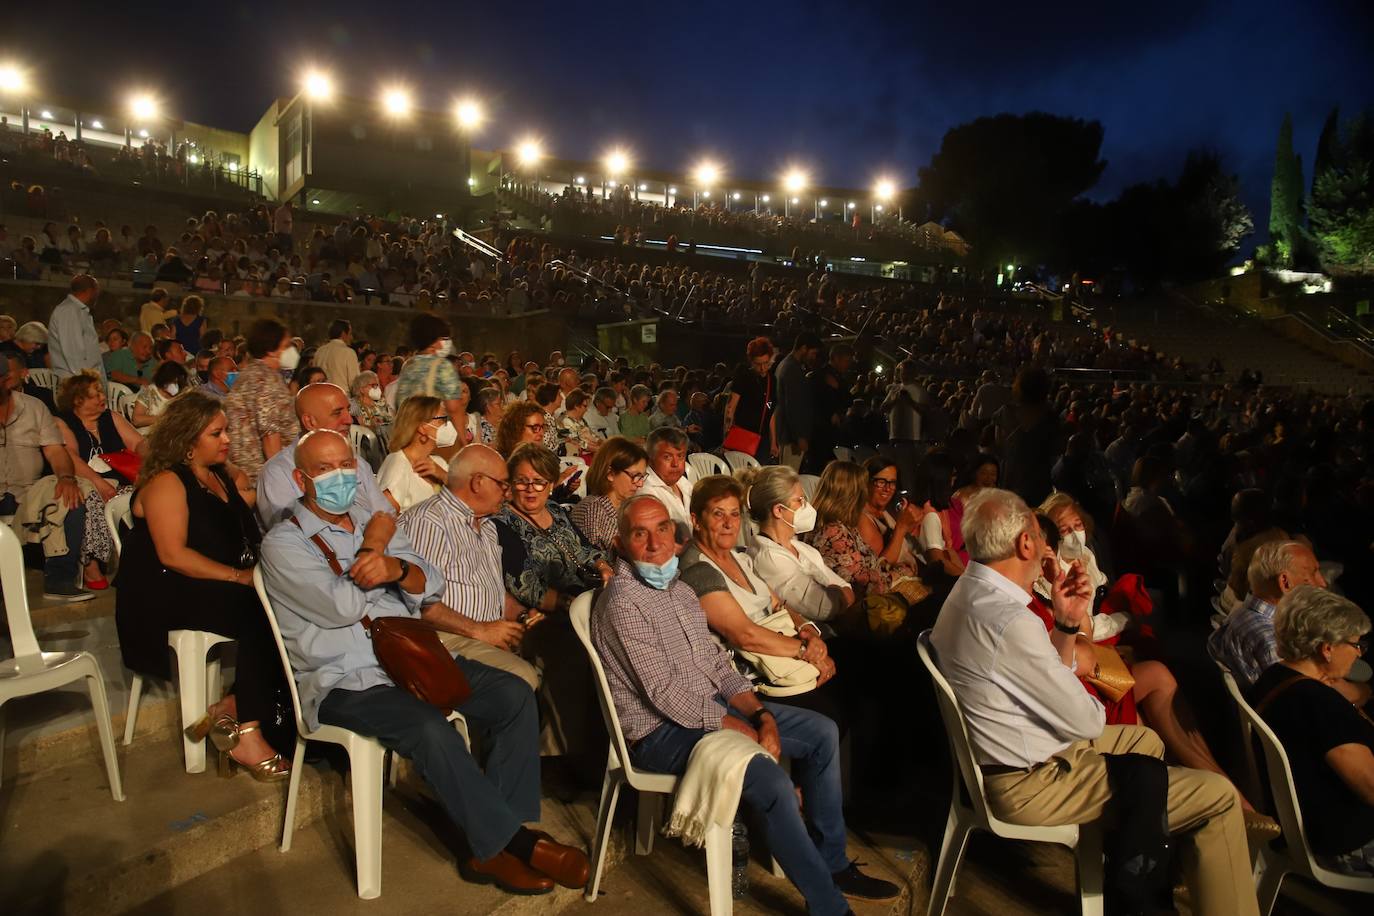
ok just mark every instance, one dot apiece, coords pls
pixel 44 378
pixel 34 671
pixel 809 484
pixel 842 453
pixel 575 462
pixel 1296 857
pixel 121 398
pixel 963 819
pixel 366 764
pixel 364 442
pixel 651 787
pixel 738 460
pixel 198 675
pixel 704 464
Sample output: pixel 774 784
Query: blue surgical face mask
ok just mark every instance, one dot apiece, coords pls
pixel 229 379
pixel 336 489
pixel 655 576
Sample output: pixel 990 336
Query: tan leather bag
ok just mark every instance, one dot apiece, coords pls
pixel 1110 677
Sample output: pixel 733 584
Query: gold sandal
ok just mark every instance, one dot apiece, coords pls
pixel 273 769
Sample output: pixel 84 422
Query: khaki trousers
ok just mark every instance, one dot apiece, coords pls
pixel 478 651
pixel 1071 788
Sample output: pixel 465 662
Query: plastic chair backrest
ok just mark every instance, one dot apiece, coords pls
pixel 704 464
pixel 1280 775
pixel 959 744
pixel 572 461
pixel 357 435
pixel 809 484
pixel 301 727
pixel 738 460
pixel 118 509
pixel 16 593
pixel 581 615
pixel 44 378
pixel 121 398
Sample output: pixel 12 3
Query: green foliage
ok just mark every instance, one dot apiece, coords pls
pixel 1004 181
pixel 1341 211
pixel 1285 198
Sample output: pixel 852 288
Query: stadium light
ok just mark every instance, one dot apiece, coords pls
pixel 13 80
pixel 143 132
pixel 396 102
pixel 735 196
pixel 45 114
pixel 824 202
pixel 766 198
pixel 617 163
pixel 579 180
pixel 529 152
pixel 318 85
pixel 850 205
pixel 796 200
pixel 885 189
pixel 143 107
pixel 794 181
pixel 672 190
pixel 706 174
pixel 469 114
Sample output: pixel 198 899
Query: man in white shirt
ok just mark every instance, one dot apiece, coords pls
pixel 667 480
pixel 72 341
pixel 1039 737
pixel 337 358
pixel 906 404
pixel 602 417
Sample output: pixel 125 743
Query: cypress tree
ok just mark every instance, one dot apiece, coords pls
pixel 1285 198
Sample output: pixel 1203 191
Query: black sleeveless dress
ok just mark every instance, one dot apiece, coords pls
pixel 151 599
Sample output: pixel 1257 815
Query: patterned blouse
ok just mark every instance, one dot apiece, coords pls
pixel 552 438
pixel 597 518
pixel 258 405
pixel 538 559
pixel 849 555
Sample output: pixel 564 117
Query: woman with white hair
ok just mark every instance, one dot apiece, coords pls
pixel 1329 742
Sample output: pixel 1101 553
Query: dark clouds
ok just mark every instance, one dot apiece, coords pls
pixel 848 90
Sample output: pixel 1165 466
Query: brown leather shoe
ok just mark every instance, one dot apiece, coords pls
pixel 508 873
pixel 565 864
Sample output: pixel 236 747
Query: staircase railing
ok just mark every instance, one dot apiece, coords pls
pixel 478 245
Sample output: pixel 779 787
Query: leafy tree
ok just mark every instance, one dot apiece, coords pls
pixel 1285 198
pixel 1341 211
pixel 1004 181
pixel 1326 145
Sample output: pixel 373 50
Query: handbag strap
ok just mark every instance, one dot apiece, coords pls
pixel 333 560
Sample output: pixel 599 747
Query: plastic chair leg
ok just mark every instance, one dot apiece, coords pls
pixel 101 707
pixel 2 741
pixel 366 764
pixel 191 691
pixel 605 814
pixel 214 687
pixel 292 793
pixel 647 819
pixel 719 869
pixel 1088 853
pixel 1271 882
pixel 131 712
pixel 957 831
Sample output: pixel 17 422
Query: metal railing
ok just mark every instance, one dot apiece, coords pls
pixel 478 245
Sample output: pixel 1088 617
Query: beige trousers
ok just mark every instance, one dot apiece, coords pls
pixel 1071 788
pixel 487 654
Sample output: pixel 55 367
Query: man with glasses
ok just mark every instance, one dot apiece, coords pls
pixel 454 531
pixel 602 418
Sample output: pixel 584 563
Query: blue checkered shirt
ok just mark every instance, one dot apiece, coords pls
pixel 1246 643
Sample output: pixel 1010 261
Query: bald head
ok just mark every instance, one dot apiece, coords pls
pixel 322 446
pixel 323 406
pixel 479 478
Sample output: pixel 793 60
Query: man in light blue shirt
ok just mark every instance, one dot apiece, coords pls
pixel 318 406
pixel 332 565
pixel 72 341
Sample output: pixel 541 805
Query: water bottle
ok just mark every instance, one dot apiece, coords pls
pixel 739 855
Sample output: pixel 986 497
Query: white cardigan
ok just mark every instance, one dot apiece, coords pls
pixel 804 582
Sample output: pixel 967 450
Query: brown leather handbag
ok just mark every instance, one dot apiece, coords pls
pixel 410 652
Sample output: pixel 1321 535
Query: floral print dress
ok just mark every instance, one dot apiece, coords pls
pixel 853 560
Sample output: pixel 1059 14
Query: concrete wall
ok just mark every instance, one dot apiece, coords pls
pixel 382 326
pixel 263 153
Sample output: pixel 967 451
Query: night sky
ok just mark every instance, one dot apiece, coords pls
pixel 848 90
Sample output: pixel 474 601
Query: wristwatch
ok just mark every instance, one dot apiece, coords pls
pixel 405 570
pixel 756 719
pixel 1065 628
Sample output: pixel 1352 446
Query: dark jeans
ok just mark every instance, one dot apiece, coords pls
pixel 811 741
pixel 58 571
pixel 487 806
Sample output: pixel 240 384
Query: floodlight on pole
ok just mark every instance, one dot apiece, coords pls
pixel 469 114
pixel 617 163
pixel 143 107
pixel 13 80
pixel 318 86
pixel 529 152
pixel 396 102
pixel 885 189
pixel 706 174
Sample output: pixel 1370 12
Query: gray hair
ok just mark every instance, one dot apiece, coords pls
pixel 670 435
pixel 1309 617
pixel 623 517
pixel 766 487
pixel 1270 561
pixel 605 394
pixel 993 520
pixel 34 332
pixel 486 397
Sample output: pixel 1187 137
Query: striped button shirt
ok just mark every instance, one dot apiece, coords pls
pixel 464 549
pixel 660 660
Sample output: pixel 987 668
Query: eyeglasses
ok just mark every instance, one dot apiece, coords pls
pixel 1358 645
pixel 502 482
pixel 884 483
pixel 537 484
pixel 536 427
pixel 636 479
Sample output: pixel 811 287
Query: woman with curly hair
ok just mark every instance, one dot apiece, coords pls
pixel 522 422
pixel 187 564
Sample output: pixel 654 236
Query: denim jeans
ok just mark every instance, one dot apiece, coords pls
pixel 487 806
pixel 812 742
pixel 58 571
